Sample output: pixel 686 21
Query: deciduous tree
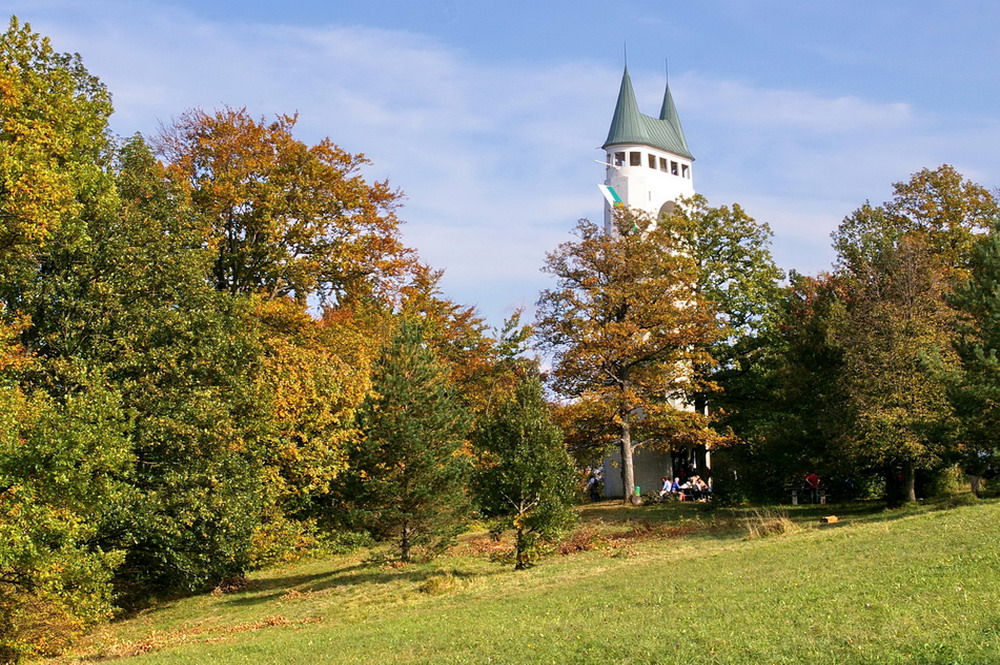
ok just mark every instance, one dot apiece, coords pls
pixel 53 119
pixel 894 327
pixel 64 468
pixel 285 218
pixel 975 386
pixel 898 262
pixel 525 479
pixel 627 327
pixel 738 277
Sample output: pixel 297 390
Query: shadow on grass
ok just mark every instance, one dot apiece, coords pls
pixel 291 581
pixel 855 512
pixel 361 574
pixel 615 512
pixel 716 519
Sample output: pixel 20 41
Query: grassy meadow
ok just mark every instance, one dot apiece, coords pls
pixel 677 583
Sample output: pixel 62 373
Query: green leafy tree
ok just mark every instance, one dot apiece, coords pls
pixel 893 329
pixel 64 467
pixel 189 361
pixel 789 409
pixel 628 330
pixel 736 271
pixel 525 479
pixel 130 300
pixel 975 387
pixel 738 276
pixel 411 463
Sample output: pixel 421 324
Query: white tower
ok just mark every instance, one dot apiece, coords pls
pixel 649 164
pixel 649 169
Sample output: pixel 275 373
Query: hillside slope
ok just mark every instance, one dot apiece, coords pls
pixel 894 588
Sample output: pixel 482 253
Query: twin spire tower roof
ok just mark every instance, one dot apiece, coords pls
pixel 630 126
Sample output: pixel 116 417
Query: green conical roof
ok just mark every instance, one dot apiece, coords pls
pixel 628 125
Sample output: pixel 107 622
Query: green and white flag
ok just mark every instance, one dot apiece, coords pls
pixel 611 196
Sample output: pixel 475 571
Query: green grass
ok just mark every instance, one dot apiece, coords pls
pixel 659 584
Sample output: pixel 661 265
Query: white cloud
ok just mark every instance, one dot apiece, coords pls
pixel 732 102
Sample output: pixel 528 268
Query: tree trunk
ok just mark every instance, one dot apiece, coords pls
pixel 976 483
pixel 627 468
pixel 521 561
pixel 404 543
pixel 909 481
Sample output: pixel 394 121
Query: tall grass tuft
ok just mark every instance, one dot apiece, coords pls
pixel 439 584
pixel 768 522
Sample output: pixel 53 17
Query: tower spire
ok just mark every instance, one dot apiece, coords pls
pixel 627 120
pixel 668 113
pixel 648 163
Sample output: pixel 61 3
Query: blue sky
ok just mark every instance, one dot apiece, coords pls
pixel 488 115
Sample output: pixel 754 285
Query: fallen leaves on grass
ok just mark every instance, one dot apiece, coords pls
pixel 202 632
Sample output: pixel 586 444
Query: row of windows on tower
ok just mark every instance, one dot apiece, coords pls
pixel 635 159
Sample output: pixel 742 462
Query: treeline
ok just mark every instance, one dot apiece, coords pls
pixel 216 353
pixel 881 376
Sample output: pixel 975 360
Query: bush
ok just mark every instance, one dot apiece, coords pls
pixel 943 482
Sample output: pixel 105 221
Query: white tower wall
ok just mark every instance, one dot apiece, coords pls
pixel 658 179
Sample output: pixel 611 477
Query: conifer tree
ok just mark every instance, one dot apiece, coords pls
pixel 410 463
pixel 525 479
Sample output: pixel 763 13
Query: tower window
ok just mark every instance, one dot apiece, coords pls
pixel 619 159
pixel 635 159
pixel 687 172
pixel 652 161
pixel 663 164
pixel 673 168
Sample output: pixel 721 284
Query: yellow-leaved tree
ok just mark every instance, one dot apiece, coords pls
pixel 627 329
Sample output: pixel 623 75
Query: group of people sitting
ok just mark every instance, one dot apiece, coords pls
pixel 692 488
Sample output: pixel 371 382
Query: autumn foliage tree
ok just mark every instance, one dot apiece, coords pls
pixel 53 119
pixel 479 360
pixel 284 218
pixel 626 327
